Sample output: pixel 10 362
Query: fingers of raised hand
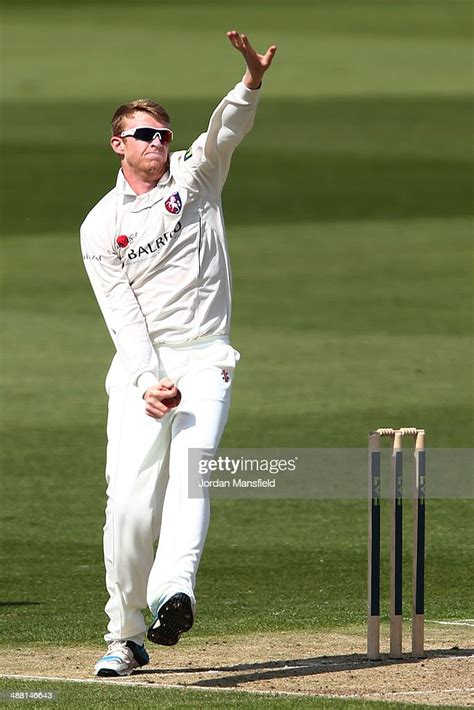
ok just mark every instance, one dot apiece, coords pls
pixel 235 40
pixel 246 44
pixel 239 41
pixel 268 56
pixel 254 60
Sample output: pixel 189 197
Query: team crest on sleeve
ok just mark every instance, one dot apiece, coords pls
pixel 174 204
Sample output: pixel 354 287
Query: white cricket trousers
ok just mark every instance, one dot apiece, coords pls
pixel 147 481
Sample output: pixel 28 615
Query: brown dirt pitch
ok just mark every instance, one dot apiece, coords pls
pixel 320 664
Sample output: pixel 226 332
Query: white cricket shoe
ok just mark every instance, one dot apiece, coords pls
pixel 122 658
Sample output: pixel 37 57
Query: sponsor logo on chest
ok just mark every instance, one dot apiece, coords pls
pixel 146 250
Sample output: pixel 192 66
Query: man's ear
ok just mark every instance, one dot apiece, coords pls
pixel 117 145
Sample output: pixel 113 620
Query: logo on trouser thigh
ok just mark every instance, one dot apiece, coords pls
pixel 225 375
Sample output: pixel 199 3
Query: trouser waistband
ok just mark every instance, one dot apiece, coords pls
pixel 193 344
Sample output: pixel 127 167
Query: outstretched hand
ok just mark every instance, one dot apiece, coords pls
pixel 257 64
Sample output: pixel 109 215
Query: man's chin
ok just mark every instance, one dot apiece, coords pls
pixel 154 170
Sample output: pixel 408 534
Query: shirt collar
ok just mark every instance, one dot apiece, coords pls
pixel 124 188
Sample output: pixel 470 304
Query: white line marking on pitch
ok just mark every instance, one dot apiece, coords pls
pixel 424 692
pixel 461 622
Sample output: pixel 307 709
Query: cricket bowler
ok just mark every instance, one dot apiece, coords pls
pixel 155 252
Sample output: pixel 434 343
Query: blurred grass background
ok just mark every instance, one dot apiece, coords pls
pixel 348 213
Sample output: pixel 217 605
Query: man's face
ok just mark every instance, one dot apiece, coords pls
pixel 146 160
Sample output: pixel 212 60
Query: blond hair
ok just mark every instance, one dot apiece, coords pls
pixel 145 105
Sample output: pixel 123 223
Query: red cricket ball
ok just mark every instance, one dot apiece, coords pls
pixel 172 402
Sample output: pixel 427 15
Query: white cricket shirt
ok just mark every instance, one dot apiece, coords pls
pixel 158 262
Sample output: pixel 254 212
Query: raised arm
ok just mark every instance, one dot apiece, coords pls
pixel 208 158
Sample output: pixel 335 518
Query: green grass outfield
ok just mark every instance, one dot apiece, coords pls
pixel 93 696
pixel 348 213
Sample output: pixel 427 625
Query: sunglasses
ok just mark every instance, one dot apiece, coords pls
pixel 144 133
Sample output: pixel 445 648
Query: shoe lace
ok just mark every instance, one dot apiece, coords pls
pixel 118 647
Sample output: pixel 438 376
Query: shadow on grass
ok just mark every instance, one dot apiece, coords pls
pixel 19 603
pixel 297 667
